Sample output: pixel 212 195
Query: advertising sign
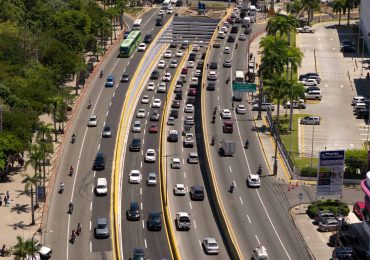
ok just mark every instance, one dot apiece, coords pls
pixel 368 159
pixel 330 173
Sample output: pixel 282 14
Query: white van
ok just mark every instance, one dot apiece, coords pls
pixel 101 186
pixel 358 99
pixel 313 94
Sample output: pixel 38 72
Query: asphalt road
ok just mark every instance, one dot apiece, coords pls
pixel 203 223
pixel 107 105
pixel 256 215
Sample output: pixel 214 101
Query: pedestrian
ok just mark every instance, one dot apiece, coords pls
pixel 1 201
pixel 5 200
pixel 3 250
pixel 232 105
pixel 7 195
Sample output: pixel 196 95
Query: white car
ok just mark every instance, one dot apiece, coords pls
pixel 225 114
pixel 179 189
pixel 227 50
pixel 253 180
pixel 221 35
pixel 190 64
pixel 174 63
pixel 161 12
pixel 156 103
pixel 141 113
pixel 170 10
pixel 136 127
pixel 161 64
pixel 212 75
pixel 150 155
pixel 196 47
pixel 241 109
pixel 93 121
pixel 152 179
pixel 151 86
pixel 224 29
pixel 175 163
pixel 210 245
pixel 142 47
pixel 198 73
pixel 134 177
pixel 189 108
pixel 309 82
pixel 145 99
pixel 166 77
pixel 168 54
pixel 179 53
pixel 162 87
pixel 242 37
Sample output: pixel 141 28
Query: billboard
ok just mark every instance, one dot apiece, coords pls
pixel 330 173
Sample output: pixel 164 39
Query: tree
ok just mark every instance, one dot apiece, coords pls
pixel 310 6
pixel 46 147
pixel 53 108
pixel 339 6
pixel 35 157
pixel 44 132
pixel 24 248
pixel 30 182
pixel 350 4
pixel 281 24
pixel 296 92
pixel 121 6
pixel 113 13
pixel 294 7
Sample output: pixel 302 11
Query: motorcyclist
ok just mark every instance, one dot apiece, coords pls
pixel 246 144
pixel 70 207
pixel 101 73
pixel 79 228
pixel 71 170
pixel 89 105
pixel 236 46
pixel 73 138
pixel 213 140
pixel 228 80
pixel 73 236
pixel 232 187
pixel 61 187
pixel 260 169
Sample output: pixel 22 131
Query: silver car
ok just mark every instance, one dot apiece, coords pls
pixel 102 228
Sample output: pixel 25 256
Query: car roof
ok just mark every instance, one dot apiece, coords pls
pixel 193 154
pixel 180 185
pixel 182 214
pixel 210 239
pixel 197 187
pixel 152 174
pixel 176 160
pixel 254 176
pixel 102 221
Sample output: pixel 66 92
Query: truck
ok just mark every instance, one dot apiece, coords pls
pixel 227 147
pixel 189 140
pixel 260 253
pixel 246 22
pixel 253 13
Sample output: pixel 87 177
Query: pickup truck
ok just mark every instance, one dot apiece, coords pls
pixel 189 140
pixel 183 221
pixel 306 29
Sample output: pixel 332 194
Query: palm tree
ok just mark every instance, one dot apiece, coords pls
pixel 296 92
pixel 273 58
pixel 339 6
pixel 310 6
pixel 294 7
pixel 35 157
pixel 350 4
pixel 46 148
pixel 44 132
pixel 24 248
pixel 121 6
pixel 29 182
pixel 113 12
pixel 281 24
pixel 53 108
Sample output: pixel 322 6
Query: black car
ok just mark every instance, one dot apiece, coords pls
pixel 343 239
pixel 348 49
pixel 99 162
pixel 203 56
pixel 192 56
pixel 200 65
pixel 231 39
pixel 148 38
pixel 247 31
pixel 154 116
pixel 133 213
pixel 174 113
pixel 211 86
pixel 307 75
pixel 135 145
pixel 176 104
pixel 234 29
pixel 213 65
pixel 154 75
pixel 138 254
pixel 178 96
pixel 190 100
pixel 154 221
pixel 125 78
pixel 184 46
pixel 197 192
pixel 177 90
pixel 173 136
pixel 159 22
pixel 173 45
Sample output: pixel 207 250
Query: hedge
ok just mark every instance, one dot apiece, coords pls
pixel 334 206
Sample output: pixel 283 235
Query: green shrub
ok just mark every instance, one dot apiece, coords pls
pixel 356 159
pixel 309 172
pixel 334 206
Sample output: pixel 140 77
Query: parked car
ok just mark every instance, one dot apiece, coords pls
pixel 264 106
pixel 358 209
pixel 323 214
pixel 310 120
pixel 330 224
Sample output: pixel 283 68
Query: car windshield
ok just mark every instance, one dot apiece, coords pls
pixel 101 226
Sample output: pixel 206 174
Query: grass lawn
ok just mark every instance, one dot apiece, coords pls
pixel 134 11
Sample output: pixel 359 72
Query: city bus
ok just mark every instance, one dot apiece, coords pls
pixel 239 76
pixel 137 24
pixel 130 43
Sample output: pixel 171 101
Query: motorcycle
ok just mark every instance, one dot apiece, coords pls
pixel 73 237
pixel 213 141
pixel 89 105
pixel 61 189
pixel 71 172
pixel 259 170
pixel 70 208
pixel 246 144
pixel 73 138
pixel 101 74
pixel 232 187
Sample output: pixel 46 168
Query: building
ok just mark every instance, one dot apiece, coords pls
pixel 365 22
pixel 365 185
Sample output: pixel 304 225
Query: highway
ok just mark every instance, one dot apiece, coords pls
pixel 257 216
pixel 107 105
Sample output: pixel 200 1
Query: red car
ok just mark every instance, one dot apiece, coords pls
pixel 192 92
pixel 153 129
pixel 184 71
pixel 358 208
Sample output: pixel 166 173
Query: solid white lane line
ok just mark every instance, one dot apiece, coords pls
pixel 258 241
pixel 106 114
pixel 249 219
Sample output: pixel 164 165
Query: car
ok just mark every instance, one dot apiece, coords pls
pixel 190 64
pixel 313 94
pixel 189 108
pixel 107 131
pixel 345 253
pixel 196 47
pixel 156 103
pixel 166 77
pixel 194 82
pixel 213 65
pixel 193 158
pixel 308 75
pixel 178 96
pixel 179 53
pixel 138 254
pixel 358 99
pixel 44 251
pixel 183 221
pixel 102 228
pixel 343 239
pixel 310 88
pixel 168 54
pixel 301 104
pixel 152 179
pixel 134 177
pixel 173 45
pixel 347 42
pixel 148 38
pixel 93 121
pixel 150 155
pixel 151 86
pixel 126 34
pixel 99 162
pixel 189 120
pixel 192 92
pixel 227 50
pixel 184 71
pixel 176 104
pixel 162 87
pixel 216 43
pixel 161 12
pixel 161 64
pixel 322 215
pixel 175 163
pixel 212 75
pixel 358 209
pixel 154 221
pixel 184 45
pixel 192 56
pixel 309 82
pixel 188 140
pixel 203 56
pixel 141 113
pixel 198 73
pixel 305 29
pixel 174 63
pixel 154 75
pixel 170 10
pixel 225 114
pixel 153 129
pixel 211 86
pixel 110 81
pixel 197 192
pixel 264 106
pixel 348 49
pixel 179 189
pixel 133 212
pixel 159 22
pixel 210 245
pixel 241 109
pixel 310 120
pixel 135 145
pixel 101 187
pixel 174 113
pixel 227 63
pixel 330 224
pixel 253 180
pixel 173 136
pixel 231 38
pixel 145 99
pixel 228 127
pixel 242 37
pixel 224 29
pixel 154 116
pixel 142 47
pixel 136 127
pixel 221 35
pixel 125 77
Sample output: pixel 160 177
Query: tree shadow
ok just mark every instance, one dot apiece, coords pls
pixel 20 208
pixel 20 225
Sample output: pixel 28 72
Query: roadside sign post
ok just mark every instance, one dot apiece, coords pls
pixel 300 196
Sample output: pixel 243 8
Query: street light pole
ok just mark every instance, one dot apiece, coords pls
pixel 259 116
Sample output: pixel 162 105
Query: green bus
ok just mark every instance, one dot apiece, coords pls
pixel 130 43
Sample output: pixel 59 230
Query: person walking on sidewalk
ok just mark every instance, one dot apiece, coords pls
pixel 7 195
pixel 5 201
pixel 1 201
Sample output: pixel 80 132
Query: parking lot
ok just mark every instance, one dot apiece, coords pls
pixel 338 128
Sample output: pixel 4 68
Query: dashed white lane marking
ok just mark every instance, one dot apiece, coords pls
pixel 141 191
pixel 91 206
pixel 191 207
pixel 141 205
pixel 341 86
pixel 90 225
pixel 90 247
pixel 184 175
pixel 200 244
pixel 195 224
pixel 146 246
pixel 241 201
pixel 231 170
pixel 142 222
pixel 257 239
pixel 250 222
